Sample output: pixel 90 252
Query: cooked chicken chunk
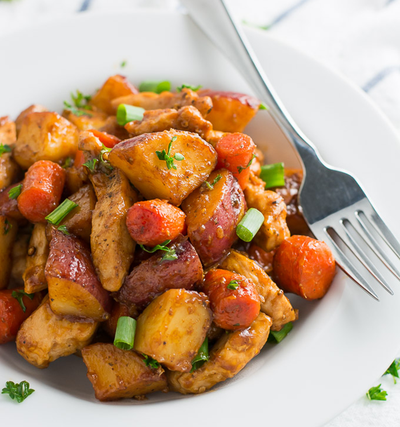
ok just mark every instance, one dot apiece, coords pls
pixel 274 229
pixel 273 301
pixel 229 355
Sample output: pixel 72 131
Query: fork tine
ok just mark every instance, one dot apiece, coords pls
pixel 375 245
pixel 362 256
pixel 345 264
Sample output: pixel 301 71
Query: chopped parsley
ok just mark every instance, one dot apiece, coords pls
pixel 201 357
pixel 18 295
pixel 123 64
pixel 64 229
pixel 15 191
pixel 263 107
pixel 240 168
pixel 150 362
pixel 185 86
pixel 19 391
pixel 376 393
pixel 170 254
pixel 4 149
pixel 79 106
pixel 233 285
pixel 211 186
pixel 393 370
pixel 7 226
pixel 67 163
pixel 91 164
pixel 166 155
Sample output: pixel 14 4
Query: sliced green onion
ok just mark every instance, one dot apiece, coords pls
pixel 60 212
pixel 186 86
pixel 249 225
pixel 273 175
pixel 278 336
pixel 15 191
pixel 125 333
pixel 156 87
pixel 201 357
pixel 128 113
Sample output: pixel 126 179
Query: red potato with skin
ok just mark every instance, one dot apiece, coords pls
pixel 12 315
pixel 74 288
pixel 154 276
pixel 236 152
pixel 231 111
pixel 152 222
pixel 41 190
pixel 213 214
pixel 232 308
pixel 304 266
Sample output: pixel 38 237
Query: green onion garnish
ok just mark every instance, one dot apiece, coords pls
pixel 249 225
pixel 201 357
pixel 156 87
pixel 278 336
pixel 125 333
pixel 15 191
pixel 128 113
pixel 60 212
pixel 185 86
pixel 273 175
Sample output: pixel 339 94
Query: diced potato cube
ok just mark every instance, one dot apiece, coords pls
pixel 8 233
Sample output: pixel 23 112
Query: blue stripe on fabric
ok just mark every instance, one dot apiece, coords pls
pixel 287 12
pixel 85 5
pixel 379 77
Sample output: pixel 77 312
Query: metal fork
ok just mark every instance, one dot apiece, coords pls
pixel 334 205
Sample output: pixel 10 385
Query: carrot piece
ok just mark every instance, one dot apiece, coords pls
pixel 152 222
pixel 110 141
pixel 304 266
pixel 41 191
pixel 235 153
pixel 12 315
pixel 234 300
pixel 79 159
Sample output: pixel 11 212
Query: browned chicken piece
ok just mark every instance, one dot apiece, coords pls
pixel 8 234
pixel 154 101
pixel 112 246
pixel 44 336
pixel 273 301
pixel 19 255
pixel 230 355
pixel 87 119
pixel 118 374
pixel 113 128
pixel 35 108
pixel 186 118
pixel 255 166
pixel 274 229
pixel 8 133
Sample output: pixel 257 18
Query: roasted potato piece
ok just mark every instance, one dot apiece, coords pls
pixel 138 159
pixel 45 136
pixel 173 327
pixel 38 251
pixel 8 133
pixel 9 170
pixel 74 288
pixel 87 120
pixel 112 246
pixel 114 87
pixel 213 214
pixel 231 111
pixel 154 276
pixel 18 255
pixel 44 336
pixel 79 220
pixel 8 233
pixel 274 229
pixel 273 301
pixel 118 374
pixel 154 101
pixel 230 354
pixel 35 108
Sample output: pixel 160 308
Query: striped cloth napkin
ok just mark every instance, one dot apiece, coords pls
pixel 359 38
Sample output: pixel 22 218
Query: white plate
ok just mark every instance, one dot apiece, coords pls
pixel 341 344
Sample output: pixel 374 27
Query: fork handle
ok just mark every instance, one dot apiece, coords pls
pixel 215 19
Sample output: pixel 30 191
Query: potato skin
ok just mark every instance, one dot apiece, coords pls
pixel 44 336
pixel 74 288
pixel 45 136
pixel 118 374
pixel 8 233
pixel 112 246
pixel 304 266
pixel 229 356
pixel 173 327
pixel 34 108
pixel 137 158
pixel 154 276
pixel 212 216
pixel 9 170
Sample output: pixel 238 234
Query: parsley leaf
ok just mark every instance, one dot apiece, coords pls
pixel 376 393
pixel 233 285
pixel 263 107
pixel 211 186
pixel 18 392
pixel 170 253
pixel 201 357
pixel 163 155
pixel 393 369
pixel 123 64
pixel 15 191
pixel 91 164
pixel 240 168
pixel 184 86
pixel 67 163
pixel 4 149
pixel 64 229
pixel 80 105
pixel 7 226
pixel 18 295
pixel 150 362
